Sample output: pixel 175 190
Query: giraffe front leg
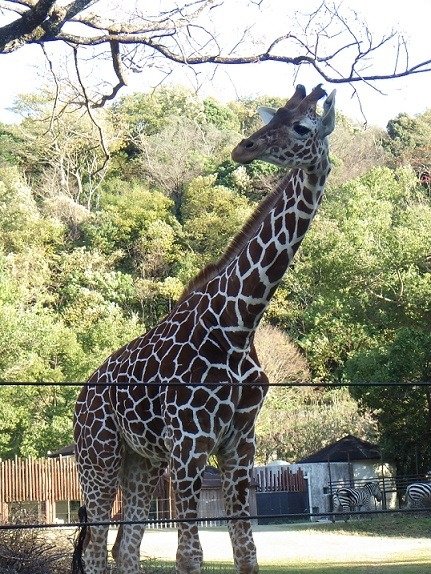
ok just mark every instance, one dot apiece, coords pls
pixel 188 461
pixel 236 469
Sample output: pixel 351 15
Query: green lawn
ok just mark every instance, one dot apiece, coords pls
pixel 407 567
pixel 389 568
pixel 404 525
pixel 393 531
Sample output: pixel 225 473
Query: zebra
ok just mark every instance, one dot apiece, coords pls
pixel 418 495
pixel 352 499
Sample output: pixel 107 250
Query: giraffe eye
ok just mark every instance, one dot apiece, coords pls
pixel 300 129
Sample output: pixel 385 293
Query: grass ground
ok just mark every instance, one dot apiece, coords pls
pixel 399 525
pixel 407 567
pixel 389 544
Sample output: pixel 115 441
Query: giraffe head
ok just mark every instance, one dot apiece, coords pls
pixel 294 135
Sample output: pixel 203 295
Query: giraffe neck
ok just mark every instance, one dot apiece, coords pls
pixel 242 291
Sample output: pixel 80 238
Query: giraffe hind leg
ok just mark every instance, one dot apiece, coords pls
pixel 95 553
pixel 138 479
pixel 99 484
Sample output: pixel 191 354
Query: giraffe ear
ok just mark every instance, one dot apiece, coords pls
pixel 328 117
pixel 266 114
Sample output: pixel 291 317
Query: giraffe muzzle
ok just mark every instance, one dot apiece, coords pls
pixel 246 151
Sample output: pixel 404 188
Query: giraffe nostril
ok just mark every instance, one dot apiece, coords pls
pixel 249 144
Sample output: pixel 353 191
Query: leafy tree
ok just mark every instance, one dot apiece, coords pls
pixel 9 144
pixel 253 181
pixel 296 421
pixel 211 215
pixel 128 216
pixel 363 271
pixel 35 345
pixel 148 114
pixel 409 143
pixel 173 136
pixel 21 222
pixel 403 413
pixel 221 116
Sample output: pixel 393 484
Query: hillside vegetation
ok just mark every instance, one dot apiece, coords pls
pixel 96 249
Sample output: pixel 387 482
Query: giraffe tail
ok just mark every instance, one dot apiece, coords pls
pixel 80 542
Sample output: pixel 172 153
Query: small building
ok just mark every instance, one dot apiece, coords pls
pixel 351 462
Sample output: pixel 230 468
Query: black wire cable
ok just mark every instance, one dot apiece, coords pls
pixel 173 521
pixel 211 384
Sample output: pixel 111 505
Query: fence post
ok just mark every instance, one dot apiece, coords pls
pixel 384 501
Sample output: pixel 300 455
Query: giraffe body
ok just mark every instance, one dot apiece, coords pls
pixel 193 385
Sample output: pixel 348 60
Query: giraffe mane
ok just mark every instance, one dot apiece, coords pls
pixel 237 244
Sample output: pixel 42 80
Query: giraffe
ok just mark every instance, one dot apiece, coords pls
pixel 192 386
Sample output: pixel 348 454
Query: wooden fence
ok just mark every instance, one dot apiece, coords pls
pixel 38 480
pixel 279 479
pixel 40 484
pixel 51 483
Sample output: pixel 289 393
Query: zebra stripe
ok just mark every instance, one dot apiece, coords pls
pixel 350 499
pixel 418 495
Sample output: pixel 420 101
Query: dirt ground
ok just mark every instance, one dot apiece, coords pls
pixel 278 544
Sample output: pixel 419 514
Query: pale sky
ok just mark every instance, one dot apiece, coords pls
pixel 22 71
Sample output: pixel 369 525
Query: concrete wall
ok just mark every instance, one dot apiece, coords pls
pixel 321 474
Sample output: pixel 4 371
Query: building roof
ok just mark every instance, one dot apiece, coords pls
pixel 347 449
pixel 68 450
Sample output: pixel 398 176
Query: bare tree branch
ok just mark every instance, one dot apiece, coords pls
pixel 27 28
pixel 119 72
pixel 336 44
pixel 57 88
pixel 92 118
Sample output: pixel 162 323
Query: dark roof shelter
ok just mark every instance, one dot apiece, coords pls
pixel 347 449
pixel 68 450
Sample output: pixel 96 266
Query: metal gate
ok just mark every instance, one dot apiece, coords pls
pixel 279 491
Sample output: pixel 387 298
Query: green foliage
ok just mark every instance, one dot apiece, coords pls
pixel 409 143
pixel 211 215
pixel 10 142
pixel 21 222
pixel 149 113
pixel 253 180
pixel 221 116
pixel 406 132
pixel 403 413
pixel 362 271
pixel 89 256
pixel 137 226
